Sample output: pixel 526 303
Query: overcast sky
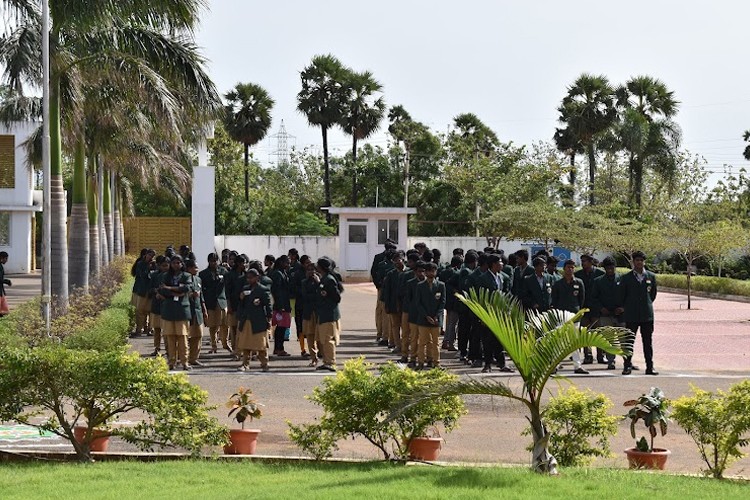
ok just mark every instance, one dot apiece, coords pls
pixel 507 61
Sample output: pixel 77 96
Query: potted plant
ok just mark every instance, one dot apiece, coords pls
pixel 653 409
pixel 242 405
pixel 424 446
pixel 98 435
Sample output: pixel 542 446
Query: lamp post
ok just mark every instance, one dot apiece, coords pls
pixel 47 173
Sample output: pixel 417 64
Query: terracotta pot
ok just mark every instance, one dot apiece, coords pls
pixel 425 448
pixel 242 442
pixel 100 441
pixel 655 459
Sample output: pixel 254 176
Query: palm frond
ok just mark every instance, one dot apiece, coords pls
pixel 21 55
pixel 20 108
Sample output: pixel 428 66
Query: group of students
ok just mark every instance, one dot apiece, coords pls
pixel 417 299
pixel 241 303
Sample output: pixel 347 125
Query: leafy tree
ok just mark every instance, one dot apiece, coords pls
pixel 723 238
pixel 247 119
pixel 322 100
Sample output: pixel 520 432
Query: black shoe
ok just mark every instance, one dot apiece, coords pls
pixel 412 364
pixel 602 361
pixel 588 361
pixel 477 363
pixel 581 371
pixel 651 371
pixel 626 371
pixel 507 369
pixel 487 369
pixel 403 359
pixel 383 343
pixel 634 368
pixel 610 366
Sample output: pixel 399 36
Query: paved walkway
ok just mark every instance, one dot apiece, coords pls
pixel 708 346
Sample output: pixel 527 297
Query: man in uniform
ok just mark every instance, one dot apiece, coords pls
pixel 605 305
pixel 430 300
pixel 538 288
pixel 389 245
pixel 637 294
pixel 568 294
pixel 552 262
pixel 522 270
pixel 411 300
pixel 282 306
pixel 493 280
pixel 198 314
pixel 212 281
pixel 449 276
pixel 327 311
pixel 391 300
pixel 475 334
pixel 588 273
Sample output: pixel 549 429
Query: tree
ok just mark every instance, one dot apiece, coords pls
pixel 362 114
pixel 587 111
pixel 247 119
pixel 322 100
pixel 568 143
pixel 722 238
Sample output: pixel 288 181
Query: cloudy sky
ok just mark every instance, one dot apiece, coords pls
pixel 507 61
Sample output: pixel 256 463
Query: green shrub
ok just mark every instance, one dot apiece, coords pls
pixel 356 402
pixel 69 387
pixel 710 284
pixel 110 328
pixel 579 425
pixel 719 424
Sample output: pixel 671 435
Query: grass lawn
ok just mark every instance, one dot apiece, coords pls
pixel 228 480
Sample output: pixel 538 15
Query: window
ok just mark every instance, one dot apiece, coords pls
pixel 4 229
pixel 387 229
pixel 357 233
pixel 7 161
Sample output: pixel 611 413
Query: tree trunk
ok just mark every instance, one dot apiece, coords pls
pixel 247 173
pixel 121 226
pixel 354 169
pixel 572 178
pixel 78 250
pixel 103 253
pixel 94 244
pixel 592 171
pixel 689 284
pixel 542 460
pixel 115 216
pixel 326 175
pixel 58 215
pixel 107 194
pixel 638 185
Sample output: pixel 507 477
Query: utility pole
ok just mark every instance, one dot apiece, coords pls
pixel 47 169
pixel 407 161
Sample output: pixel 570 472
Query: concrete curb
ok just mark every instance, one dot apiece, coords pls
pixel 706 295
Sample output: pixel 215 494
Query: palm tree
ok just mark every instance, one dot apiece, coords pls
pixel 362 115
pixel 479 136
pixel 588 110
pixel 247 119
pixel 645 130
pixel 536 346
pixel 567 142
pixel 322 100
pixel 150 39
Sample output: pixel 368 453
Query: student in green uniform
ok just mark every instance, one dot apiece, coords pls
pixel 538 288
pixel 466 318
pixel 214 294
pixel 430 302
pixel 175 312
pixel 476 354
pixel 389 245
pixel 391 300
pixel 411 300
pixel 233 283
pixel 493 280
pixel 143 302
pixel 449 276
pixel 255 323
pixel 282 305
pixel 327 310
pixel 296 275
pixel 521 270
pixel 588 273
pixel 605 302
pixel 568 294
pixel 552 270
pixel 637 294
pixel 198 314
pixel 385 322
pixel 162 266
pixel 404 298
pixel 4 309
pixel 308 294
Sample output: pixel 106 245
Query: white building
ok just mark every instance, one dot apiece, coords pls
pixel 18 202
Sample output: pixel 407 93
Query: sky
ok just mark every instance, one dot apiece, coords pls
pixel 509 62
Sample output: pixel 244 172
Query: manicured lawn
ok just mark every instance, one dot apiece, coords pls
pixel 229 480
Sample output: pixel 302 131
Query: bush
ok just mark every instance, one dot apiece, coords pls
pixel 710 284
pixel 110 328
pixel 357 402
pixel 65 386
pixel 718 423
pixel 579 425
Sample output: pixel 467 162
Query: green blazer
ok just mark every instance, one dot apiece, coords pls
pixel 142 278
pixel 568 297
pixel 535 295
pixel 411 299
pixel 637 298
pixel 328 299
pixel 280 290
pixel 605 293
pixel 380 271
pixel 256 308
pixel 430 301
pixel 390 291
pixel 375 261
pixel 213 288
pixel 153 285
pixel 449 276
pixel 171 309
pixel 196 303
pixel 403 289
pixel 588 282
pixel 518 275
pixel 233 284
pixel 308 293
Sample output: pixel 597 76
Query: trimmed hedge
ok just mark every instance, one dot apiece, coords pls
pixel 710 284
pixel 110 329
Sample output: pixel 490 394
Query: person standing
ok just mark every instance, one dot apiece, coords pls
pixel 521 270
pixel 296 275
pixel 385 322
pixel 308 294
pixel 411 300
pixel 4 308
pixel 465 316
pixel 327 310
pixel 605 302
pixel 476 353
pixel 255 323
pixel 391 300
pixel 449 276
pixel 162 266
pixel 493 280
pixel 140 287
pixel 234 280
pixel 538 288
pixel 198 314
pixel 214 294
pixel 430 301
pixel 404 297
pixel 552 262
pixel 637 294
pixel 389 245
pixel 282 306
pixel 175 312
pixel 588 273
pixel 568 294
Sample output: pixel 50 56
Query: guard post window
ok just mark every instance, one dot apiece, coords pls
pixel 387 229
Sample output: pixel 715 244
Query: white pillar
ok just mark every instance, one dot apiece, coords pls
pixel 203 207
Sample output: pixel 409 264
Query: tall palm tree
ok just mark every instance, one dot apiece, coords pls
pixel 363 111
pixel 247 119
pixel 154 39
pixel 567 142
pixel 588 110
pixel 536 346
pixel 646 131
pixel 479 136
pixel 322 100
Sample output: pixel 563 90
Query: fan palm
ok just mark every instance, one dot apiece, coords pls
pixel 322 101
pixel 536 345
pixel 247 119
pixel 567 142
pixel 363 112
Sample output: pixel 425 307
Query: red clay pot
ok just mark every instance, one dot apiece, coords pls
pixel 425 448
pixel 100 441
pixel 655 459
pixel 242 442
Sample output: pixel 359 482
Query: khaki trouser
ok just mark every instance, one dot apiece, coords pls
pixel 155 321
pixel 309 328
pixel 262 357
pixel 232 326
pixel 394 338
pixel 142 309
pixel 326 338
pixel 385 321
pixel 195 337
pixel 427 345
pixel 217 327
pixel 379 318
pixel 176 334
pixel 406 335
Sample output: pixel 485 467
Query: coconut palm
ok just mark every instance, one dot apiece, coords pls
pixel 322 101
pixel 588 110
pixel 153 39
pixel 363 111
pixel 536 346
pixel 247 119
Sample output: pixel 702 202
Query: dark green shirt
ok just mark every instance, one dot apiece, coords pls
pixel 449 276
pixel 588 282
pixel 568 296
pixel 536 295
pixel 142 278
pixel 308 293
pixel 174 308
pixel 280 291
pixel 196 303
pixel 605 293
pixel 403 289
pixel 390 291
pixel 519 273
pixel 233 284
pixel 256 308
pixel 328 299
pixel 153 285
pixel 638 297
